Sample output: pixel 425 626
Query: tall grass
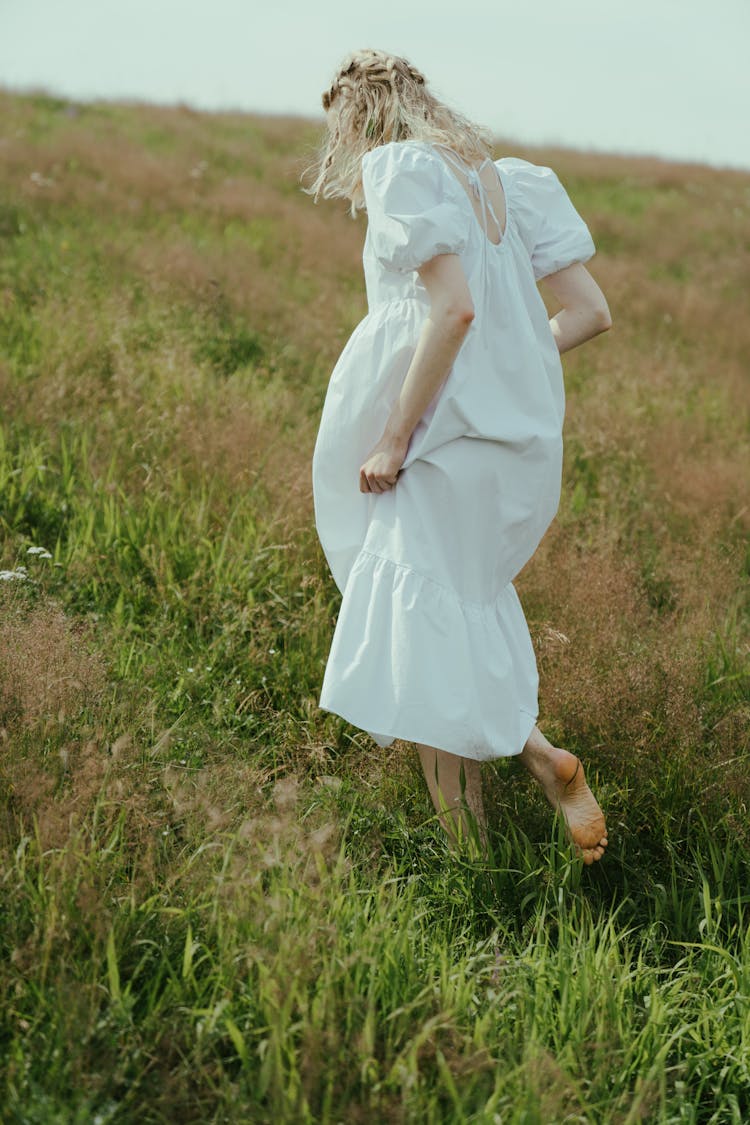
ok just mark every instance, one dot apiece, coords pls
pixel 220 903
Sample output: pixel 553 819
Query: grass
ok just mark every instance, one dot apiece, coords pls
pixel 222 904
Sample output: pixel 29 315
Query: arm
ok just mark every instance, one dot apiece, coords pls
pixel 451 314
pixel 584 311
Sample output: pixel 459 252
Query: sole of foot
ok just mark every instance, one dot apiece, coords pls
pixel 568 792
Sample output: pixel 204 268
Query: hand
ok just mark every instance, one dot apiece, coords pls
pixel 379 471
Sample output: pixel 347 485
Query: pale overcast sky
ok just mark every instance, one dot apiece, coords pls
pixel 667 77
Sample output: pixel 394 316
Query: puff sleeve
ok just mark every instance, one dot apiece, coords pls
pixel 555 234
pixel 413 209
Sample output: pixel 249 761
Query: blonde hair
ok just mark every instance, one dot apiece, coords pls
pixel 382 98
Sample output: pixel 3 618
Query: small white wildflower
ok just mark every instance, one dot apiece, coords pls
pixel 272 651
pixel 10 575
pixel 41 551
pixel 191 669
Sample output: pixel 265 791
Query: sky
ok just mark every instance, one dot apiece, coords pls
pixel 668 78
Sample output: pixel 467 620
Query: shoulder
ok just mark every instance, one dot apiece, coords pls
pixel 553 231
pixel 536 194
pixel 401 158
pixel 412 205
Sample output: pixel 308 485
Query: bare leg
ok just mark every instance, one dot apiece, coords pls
pixel 561 776
pixel 443 775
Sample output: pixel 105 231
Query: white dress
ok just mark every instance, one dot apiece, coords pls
pixel 431 644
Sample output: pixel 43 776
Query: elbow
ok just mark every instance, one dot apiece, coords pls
pixel 461 315
pixel 602 318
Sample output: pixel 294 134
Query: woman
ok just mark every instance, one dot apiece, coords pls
pixel 437 465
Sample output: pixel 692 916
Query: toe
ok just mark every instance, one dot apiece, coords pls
pixel 590 855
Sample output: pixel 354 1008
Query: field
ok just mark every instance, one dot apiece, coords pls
pixel 221 904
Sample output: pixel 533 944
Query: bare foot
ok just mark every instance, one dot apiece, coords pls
pixel 563 780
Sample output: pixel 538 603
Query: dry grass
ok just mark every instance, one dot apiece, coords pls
pixel 47 672
pixel 597 683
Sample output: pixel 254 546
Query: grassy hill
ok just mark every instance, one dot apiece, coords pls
pixel 222 904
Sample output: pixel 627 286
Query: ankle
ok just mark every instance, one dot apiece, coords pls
pixel 537 748
pixel 545 761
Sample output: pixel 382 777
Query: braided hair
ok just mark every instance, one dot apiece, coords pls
pixel 378 98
